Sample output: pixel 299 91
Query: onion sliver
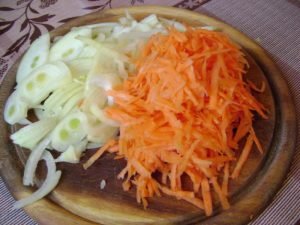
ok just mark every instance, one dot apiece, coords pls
pixel 33 160
pixel 49 184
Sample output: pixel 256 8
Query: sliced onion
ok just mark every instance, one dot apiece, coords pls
pixel 29 136
pixel 93 145
pixel 33 160
pixel 49 184
pixel 25 122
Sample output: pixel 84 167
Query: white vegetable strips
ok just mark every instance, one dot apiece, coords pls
pixel 24 122
pixel 48 185
pixel 93 145
pixel 15 110
pixel 69 47
pixel 93 96
pixel 104 79
pixel 173 23
pixel 42 81
pixel 36 56
pixel 151 20
pixel 58 94
pixel 70 131
pixel 54 109
pixel 87 52
pixel 100 115
pixel 103 49
pixel 100 132
pixel 80 67
pixel 73 152
pixel 99 25
pixel 30 135
pixel 71 104
pixel 32 161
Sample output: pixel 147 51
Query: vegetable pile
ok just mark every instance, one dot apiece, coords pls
pixel 184 112
pixel 175 94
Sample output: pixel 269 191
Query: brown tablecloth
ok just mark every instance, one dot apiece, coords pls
pixel 273 23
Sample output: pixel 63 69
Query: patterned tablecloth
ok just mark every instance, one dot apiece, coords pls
pixel 273 23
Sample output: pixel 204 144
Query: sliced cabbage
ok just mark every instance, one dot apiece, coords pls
pixel 15 110
pixel 30 135
pixel 48 185
pixel 69 47
pixel 69 131
pixel 35 56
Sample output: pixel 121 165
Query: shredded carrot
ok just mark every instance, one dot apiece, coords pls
pixel 206 195
pixel 99 153
pixel 184 112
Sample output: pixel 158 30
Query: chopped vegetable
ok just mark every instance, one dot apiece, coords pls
pixel 70 131
pixel 48 185
pixel 30 135
pixel 36 56
pixel 184 112
pixel 37 86
pixel 68 47
pixel 15 109
pixel 175 94
pixel 32 161
pixel 72 153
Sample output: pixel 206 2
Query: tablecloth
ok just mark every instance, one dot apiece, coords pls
pixel 275 24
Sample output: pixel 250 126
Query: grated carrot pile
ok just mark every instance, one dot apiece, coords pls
pixel 183 114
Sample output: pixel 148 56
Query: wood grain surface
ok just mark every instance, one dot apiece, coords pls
pixel 78 198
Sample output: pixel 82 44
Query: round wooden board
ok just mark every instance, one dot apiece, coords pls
pixel 78 198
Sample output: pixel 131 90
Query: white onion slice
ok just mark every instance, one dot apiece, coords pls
pixel 24 122
pixel 93 145
pixel 49 184
pixel 33 160
pixel 29 136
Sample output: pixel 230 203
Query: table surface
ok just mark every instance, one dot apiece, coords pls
pixel 275 24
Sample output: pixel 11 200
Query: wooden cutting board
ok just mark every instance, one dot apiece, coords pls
pixel 78 198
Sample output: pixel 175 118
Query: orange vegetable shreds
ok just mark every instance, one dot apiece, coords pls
pixel 183 114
